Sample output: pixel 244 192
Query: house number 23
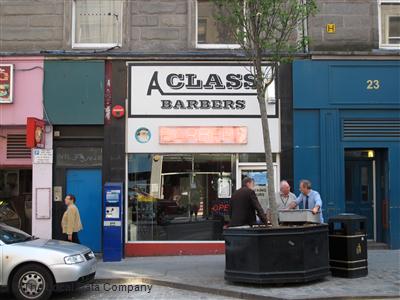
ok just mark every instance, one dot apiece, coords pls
pixel 373 84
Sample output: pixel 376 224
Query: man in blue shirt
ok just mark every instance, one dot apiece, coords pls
pixel 310 199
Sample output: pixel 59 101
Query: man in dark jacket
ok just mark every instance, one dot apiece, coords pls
pixel 244 205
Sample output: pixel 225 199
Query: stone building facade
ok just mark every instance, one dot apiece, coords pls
pixel 170 25
pixel 345 82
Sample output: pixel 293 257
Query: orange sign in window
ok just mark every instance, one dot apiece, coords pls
pixel 203 135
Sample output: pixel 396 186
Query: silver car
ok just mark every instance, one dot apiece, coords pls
pixel 33 268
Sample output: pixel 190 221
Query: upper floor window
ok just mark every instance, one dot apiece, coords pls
pixel 212 33
pixel 97 23
pixel 389 14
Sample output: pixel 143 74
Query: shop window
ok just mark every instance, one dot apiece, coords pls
pixel 9 183
pixel 179 196
pixel 212 33
pixel 389 13
pixel 97 23
pixel 16 198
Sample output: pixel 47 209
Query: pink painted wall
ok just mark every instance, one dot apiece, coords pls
pixel 28 91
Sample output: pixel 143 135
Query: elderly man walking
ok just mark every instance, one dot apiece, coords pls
pixel 284 197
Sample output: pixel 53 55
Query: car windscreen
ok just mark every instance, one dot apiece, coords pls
pixel 10 235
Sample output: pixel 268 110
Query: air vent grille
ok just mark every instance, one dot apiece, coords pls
pixel 371 128
pixel 16 147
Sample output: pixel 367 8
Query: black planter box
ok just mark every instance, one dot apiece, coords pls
pixel 280 255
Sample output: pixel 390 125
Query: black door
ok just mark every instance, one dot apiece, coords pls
pixel 360 190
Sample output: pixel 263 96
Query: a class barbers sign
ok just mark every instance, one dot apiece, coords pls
pixel 175 89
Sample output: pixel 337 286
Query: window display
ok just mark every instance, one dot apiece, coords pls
pixel 16 198
pixel 179 196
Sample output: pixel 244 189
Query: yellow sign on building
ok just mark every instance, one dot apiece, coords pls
pixel 330 28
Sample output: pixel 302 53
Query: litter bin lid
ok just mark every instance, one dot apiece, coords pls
pixel 345 217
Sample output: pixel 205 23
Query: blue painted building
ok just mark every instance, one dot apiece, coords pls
pixel 347 139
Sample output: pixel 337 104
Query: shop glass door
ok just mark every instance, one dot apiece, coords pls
pixel 259 174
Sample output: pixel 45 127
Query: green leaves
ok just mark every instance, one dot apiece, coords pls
pixel 273 28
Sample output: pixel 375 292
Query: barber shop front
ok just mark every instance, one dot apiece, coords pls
pixel 193 132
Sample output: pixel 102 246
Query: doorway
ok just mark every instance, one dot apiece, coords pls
pixel 259 173
pixel 366 188
pixel 86 186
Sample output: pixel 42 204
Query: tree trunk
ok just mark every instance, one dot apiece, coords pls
pixel 261 88
pixel 268 160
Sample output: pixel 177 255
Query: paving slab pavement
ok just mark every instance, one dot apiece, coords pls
pixel 156 293
pixel 206 274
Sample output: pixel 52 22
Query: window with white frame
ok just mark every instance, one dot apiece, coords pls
pixel 212 33
pixel 97 23
pixel 389 23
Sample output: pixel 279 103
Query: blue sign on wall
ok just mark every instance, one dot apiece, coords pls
pixel 364 84
pixel 328 84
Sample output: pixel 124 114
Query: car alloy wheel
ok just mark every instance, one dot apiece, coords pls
pixel 31 285
pixel 32 281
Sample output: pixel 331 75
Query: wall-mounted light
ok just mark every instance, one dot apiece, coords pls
pixel 371 153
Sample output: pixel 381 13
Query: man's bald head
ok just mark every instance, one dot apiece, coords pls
pixel 285 187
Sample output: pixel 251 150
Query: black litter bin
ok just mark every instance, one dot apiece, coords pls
pixel 348 246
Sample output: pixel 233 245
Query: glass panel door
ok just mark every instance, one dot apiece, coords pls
pixel 259 174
